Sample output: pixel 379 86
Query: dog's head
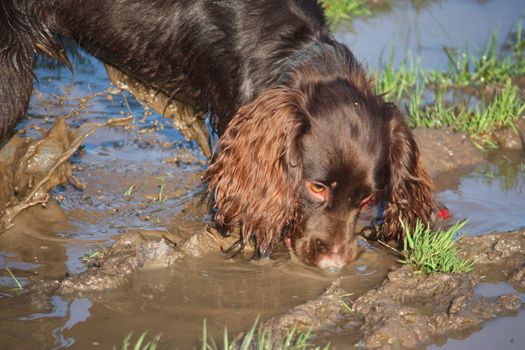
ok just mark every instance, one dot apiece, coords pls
pixel 302 161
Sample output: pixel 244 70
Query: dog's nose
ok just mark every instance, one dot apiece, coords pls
pixel 332 265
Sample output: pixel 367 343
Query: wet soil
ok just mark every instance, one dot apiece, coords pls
pixel 404 310
pixel 407 310
pixel 124 245
pixel 410 310
pixel 31 168
pixel 444 150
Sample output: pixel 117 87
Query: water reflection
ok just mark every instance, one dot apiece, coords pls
pixel 423 31
pixel 492 197
pixel 227 293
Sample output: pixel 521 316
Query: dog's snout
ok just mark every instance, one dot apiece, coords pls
pixel 331 264
pixel 330 253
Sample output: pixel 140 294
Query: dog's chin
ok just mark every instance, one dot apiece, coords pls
pixel 331 258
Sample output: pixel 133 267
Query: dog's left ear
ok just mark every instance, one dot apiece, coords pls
pixel 258 170
pixel 409 187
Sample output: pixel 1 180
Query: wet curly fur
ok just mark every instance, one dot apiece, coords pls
pixel 304 142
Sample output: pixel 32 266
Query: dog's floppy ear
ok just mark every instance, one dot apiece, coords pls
pixel 409 187
pixel 258 170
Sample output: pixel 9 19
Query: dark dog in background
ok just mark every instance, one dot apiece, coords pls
pixel 304 142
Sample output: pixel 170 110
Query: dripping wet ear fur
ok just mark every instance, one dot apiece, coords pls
pixel 256 176
pixel 409 187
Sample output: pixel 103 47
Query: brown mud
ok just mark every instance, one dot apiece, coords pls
pixel 128 246
pixel 406 310
pixel 411 310
pixel 31 168
pixel 189 120
pixel 443 150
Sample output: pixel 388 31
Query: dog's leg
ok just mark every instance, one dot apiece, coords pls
pixel 15 91
pixel 16 70
pixel 22 34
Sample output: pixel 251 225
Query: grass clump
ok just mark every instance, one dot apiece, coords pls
pixel 395 83
pixel 93 254
pixel 499 110
pixel 341 10
pixel 337 10
pixel 475 94
pixel 259 339
pixel 506 106
pixel 151 345
pixel 255 338
pixel 487 66
pixel 434 251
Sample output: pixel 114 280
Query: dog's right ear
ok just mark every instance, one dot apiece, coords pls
pixel 409 186
pixel 258 170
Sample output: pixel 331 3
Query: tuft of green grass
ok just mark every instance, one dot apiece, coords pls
pixel 489 114
pixel 434 251
pixel 151 345
pixel 506 106
pixel 337 10
pixel 92 254
pixel 486 66
pixel 129 191
pixel 258 339
pixel 17 282
pixel 395 83
pixel 451 98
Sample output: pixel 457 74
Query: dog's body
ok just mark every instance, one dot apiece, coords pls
pixel 303 140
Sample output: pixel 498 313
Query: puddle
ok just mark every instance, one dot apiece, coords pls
pixel 225 293
pixel 423 31
pixel 494 289
pixel 144 178
pixel 505 333
pixel 491 197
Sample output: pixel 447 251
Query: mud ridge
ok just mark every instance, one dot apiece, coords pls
pixel 133 252
pixel 31 168
pixel 444 150
pixel 412 310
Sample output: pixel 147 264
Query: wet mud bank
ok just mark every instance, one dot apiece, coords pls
pixel 133 252
pixel 406 310
pixel 444 150
pixel 412 310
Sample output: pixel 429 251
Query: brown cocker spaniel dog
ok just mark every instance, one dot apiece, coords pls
pixel 304 142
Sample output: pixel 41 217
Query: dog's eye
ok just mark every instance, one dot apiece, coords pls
pixel 316 187
pixel 317 190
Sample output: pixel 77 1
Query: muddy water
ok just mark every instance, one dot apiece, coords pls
pixel 144 178
pixel 491 197
pixel 423 30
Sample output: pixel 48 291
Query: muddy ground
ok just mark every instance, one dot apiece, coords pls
pixel 122 243
pixel 406 310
